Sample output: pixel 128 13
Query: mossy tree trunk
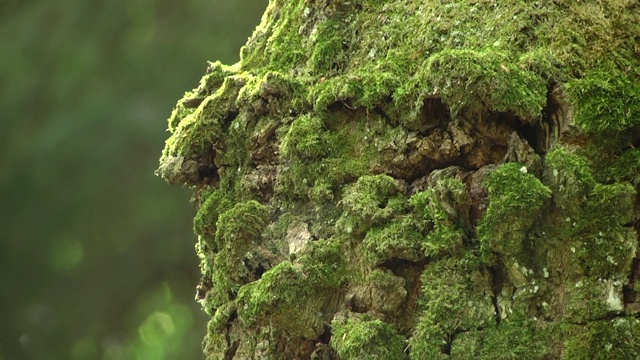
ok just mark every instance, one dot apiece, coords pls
pixel 419 179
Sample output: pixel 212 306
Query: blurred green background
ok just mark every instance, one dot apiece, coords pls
pixel 97 254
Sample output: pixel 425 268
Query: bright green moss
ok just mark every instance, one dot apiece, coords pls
pixel 277 45
pixel 328 41
pixel 455 296
pixel 276 93
pixel 346 155
pixel 396 240
pixel 238 231
pixel 516 199
pixel 306 139
pixel 323 263
pixel 277 300
pixel 360 337
pixel 241 226
pixel 438 209
pixel 180 112
pixel 366 203
pixel 334 81
pixel 202 130
pixel 292 295
pixel 209 84
pixel 215 202
pixel 569 177
pixel 215 77
pixel 608 99
pixel 365 87
pixel 474 54
pixel 488 77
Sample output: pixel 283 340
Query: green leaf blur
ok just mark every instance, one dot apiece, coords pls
pixel 96 253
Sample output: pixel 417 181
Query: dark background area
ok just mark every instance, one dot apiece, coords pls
pixel 97 254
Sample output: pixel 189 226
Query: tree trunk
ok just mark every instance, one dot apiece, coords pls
pixel 419 179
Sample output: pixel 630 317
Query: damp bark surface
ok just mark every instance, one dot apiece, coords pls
pixel 419 180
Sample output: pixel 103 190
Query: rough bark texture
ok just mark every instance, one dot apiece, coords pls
pixel 419 179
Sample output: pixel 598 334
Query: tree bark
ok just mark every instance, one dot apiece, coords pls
pixel 419 179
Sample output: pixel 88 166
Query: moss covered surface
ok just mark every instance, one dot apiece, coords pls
pixel 419 179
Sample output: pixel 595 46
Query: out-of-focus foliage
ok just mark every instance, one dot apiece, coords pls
pixel 96 254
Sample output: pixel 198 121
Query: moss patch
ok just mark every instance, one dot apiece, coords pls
pixel 301 287
pixel 363 337
pixel 455 297
pixel 516 199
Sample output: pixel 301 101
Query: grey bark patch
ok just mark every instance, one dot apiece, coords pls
pixel 298 236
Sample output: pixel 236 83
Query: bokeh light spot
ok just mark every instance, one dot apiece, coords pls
pixel 157 328
pixel 66 254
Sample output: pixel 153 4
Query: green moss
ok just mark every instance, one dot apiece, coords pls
pixel 607 102
pixel 366 203
pixel 608 245
pixel 209 84
pixel 328 42
pixel 241 225
pixel 215 77
pixel 569 177
pixel 517 337
pixel 366 87
pixel 594 215
pixel 238 231
pixel 307 138
pixel 592 299
pixel 396 240
pixel 608 99
pixel 600 340
pixel 215 203
pixel 181 111
pixel 292 295
pixel 516 200
pixel 361 337
pixel 338 83
pixel 439 209
pixel 201 132
pixel 346 154
pixel 620 167
pixel 277 45
pixel 386 291
pixel 275 93
pixel 468 78
pixel 499 55
pixel 455 296
pixel 215 341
